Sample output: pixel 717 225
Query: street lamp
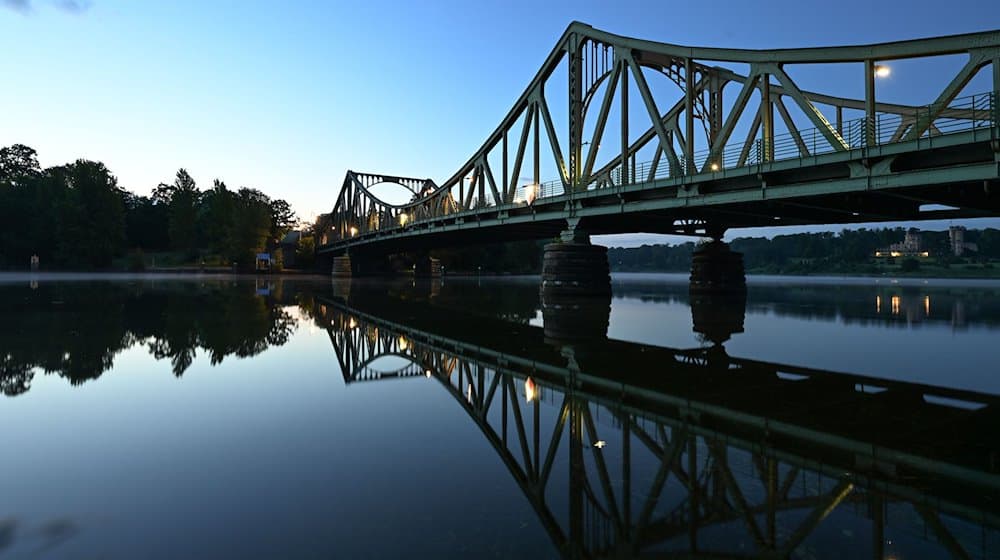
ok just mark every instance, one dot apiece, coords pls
pixel 882 71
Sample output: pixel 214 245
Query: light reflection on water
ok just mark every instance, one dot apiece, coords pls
pixel 207 417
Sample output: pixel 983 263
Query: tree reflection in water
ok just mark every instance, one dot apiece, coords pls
pixel 75 329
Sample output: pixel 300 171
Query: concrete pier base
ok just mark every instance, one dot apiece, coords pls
pixel 342 267
pixel 718 316
pixel 717 269
pixel 427 267
pixel 575 269
pixel 354 266
pixel 570 319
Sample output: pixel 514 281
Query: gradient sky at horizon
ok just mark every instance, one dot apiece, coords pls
pixel 286 96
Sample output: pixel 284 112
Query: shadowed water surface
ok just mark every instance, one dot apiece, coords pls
pixel 212 417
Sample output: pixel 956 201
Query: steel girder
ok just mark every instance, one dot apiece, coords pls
pixel 610 68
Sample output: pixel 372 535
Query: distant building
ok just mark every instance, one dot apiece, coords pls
pixel 911 246
pixel 956 235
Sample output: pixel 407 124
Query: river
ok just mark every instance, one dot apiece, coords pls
pixel 238 417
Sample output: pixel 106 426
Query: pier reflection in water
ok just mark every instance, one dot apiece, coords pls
pixel 626 450
pixel 618 448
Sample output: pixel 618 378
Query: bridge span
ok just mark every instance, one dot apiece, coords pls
pixel 653 459
pixel 729 138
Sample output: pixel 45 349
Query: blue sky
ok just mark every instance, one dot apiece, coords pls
pixel 286 96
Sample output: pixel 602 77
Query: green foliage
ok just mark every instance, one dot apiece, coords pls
pixel 17 164
pixel 305 253
pixel 909 265
pixel 76 216
pixel 847 252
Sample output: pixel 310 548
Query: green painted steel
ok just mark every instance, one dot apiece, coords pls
pixel 894 158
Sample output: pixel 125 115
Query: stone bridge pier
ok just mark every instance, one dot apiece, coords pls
pixel 715 268
pixel 572 267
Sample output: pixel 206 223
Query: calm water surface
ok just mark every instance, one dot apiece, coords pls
pixel 212 417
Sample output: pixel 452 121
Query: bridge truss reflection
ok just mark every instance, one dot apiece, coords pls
pixel 626 450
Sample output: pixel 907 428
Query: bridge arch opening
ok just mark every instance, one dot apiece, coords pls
pixel 393 193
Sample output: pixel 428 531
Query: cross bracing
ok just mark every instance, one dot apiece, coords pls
pixel 634 135
pixel 680 456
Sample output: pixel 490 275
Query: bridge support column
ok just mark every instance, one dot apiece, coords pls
pixel 717 269
pixel 427 266
pixel 351 266
pixel 574 267
pixel 342 267
pixel 718 316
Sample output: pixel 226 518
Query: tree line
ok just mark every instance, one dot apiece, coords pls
pixel 846 251
pixel 76 216
pixel 95 322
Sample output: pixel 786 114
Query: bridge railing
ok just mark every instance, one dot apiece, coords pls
pixel 973 112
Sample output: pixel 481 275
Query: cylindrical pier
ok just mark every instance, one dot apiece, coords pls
pixel 717 269
pixel 575 269
pixel 342 267
pixel 427 267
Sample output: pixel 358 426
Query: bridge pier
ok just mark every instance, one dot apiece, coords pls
pixel 426 266
pixel 351 266
pixel 718 316
pixel 342 267
pixel 717 269
pixel 573 267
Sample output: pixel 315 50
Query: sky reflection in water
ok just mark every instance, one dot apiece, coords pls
pixel 215 418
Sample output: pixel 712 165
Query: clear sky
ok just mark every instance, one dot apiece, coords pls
pixel 286 96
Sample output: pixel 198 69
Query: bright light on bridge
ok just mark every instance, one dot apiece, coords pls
pixel 882 71
pixel 354 231
pixel 530 391
pixel 530 193
pixel 403 218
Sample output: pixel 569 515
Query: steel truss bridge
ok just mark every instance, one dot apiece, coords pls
pixel 654 459
pixel 728 138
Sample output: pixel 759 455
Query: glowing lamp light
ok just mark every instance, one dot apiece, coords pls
pixel 427 373
pixel 403 343
pixel 530 391
pixel 352 324
pixel 882 71
pixel 403 219
pixel 600 444
pixel 354 231
pixel 714 166
pixel 530 193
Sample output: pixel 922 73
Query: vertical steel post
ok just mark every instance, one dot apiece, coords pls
pixel 623 179
pixel 840 121
pixel 996 74
pixel 536 177
pixel 878 526
pixel 995 96
pixel 869 102
pixel 575 111
pixel 689 84
pixel 767 117
pixel 577 478
pixel 693 488
pixel 505 185
pixel 714 108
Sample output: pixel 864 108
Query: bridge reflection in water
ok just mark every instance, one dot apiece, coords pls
pixel 629 450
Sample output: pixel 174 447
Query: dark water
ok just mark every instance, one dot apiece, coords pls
pixel 218 418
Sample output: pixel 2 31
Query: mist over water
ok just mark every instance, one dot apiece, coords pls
pixel 220 417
